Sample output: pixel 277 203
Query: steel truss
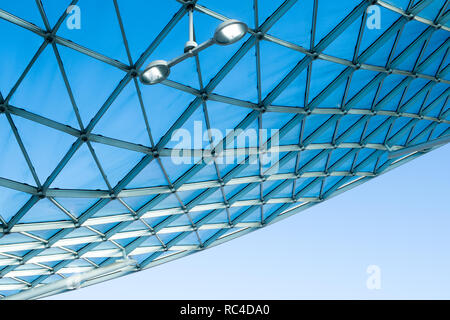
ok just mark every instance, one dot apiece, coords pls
pixel 12 265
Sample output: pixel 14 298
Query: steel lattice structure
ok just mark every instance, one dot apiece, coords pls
pixel 334 136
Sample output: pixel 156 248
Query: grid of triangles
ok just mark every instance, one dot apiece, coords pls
pixel 86 175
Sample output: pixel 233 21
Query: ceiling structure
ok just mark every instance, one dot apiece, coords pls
pixel 86 176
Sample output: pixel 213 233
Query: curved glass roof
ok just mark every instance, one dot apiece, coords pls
pixel 90 174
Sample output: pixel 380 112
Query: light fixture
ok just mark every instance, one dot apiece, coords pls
pixel 228 32
pixel 155 72
pixel 421 147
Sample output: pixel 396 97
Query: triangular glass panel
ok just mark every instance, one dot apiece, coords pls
pixel 164 105
pixel 398 125
pixel 181 220
pixel 124 119
pixel 13 165
pixel 190 239
pixel 81 232
pixel 44 210
pixel 113 207
pixel 247 138
pixel 175 170
pixel 18 47
pixel 373 123
pixel 91 89
pixel 252 194
pixel 437 92
pixel 150 176
pixel 203 216
pixel 216 196
pixel 76 206
pixel 54 9
pixel 305 157
pixel 192 134
pixel 219 217
pixel 334 98
pixel 273 209
pixel 346 122
pixel 166 237
pixel 241 82
pixel 294 94
pixel 214 58
pixel 289 166
pixel 335 156
pixel 185 73
pixel 135 226
pixel 137 203
pixel 411 32
pixel 235 115
pixel 441 129
pixel 170 201
pixel 311 191
pixel 254 216
pixel 206 234
pixel 344 45
pixel 251 169
pixel 421 132
pixel 295 25
pixel 413 88
pixel 284 192
pixel 313 122
pixel 373 31
pixel 103 228
pixel 188 196
pixel 290 137
pixel 330 15
pixel 267 8
pixel 433 68
pixel 344 163
pixel 437 39
pixel 233 9
pixel 81 172
pixel 431 11
pixel 142 31
pixel 380 57
pixel 208 172
pixel 116 162
pixel 389 84
pixel 360 79
pixel 276 62
pixel 11 201
pixel 330 182
pixel 43 91
pixel 323 73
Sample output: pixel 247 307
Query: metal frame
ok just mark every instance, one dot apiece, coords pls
pixel 236 225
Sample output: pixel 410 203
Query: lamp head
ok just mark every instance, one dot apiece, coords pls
pixel 156 72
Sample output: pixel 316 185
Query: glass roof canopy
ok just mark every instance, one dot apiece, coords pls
pixel 87 177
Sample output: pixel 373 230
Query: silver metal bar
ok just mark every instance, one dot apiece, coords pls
pixel 191 53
